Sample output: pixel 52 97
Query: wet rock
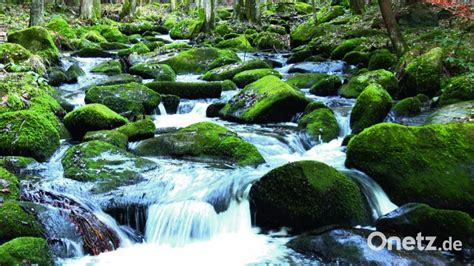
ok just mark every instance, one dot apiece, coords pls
pixel 91 52
pixel 458 89
pixel 132 215
pixel 139 130
pixel 427 164
pixel 305 80
pixel 327 86
pixel 56 76
pixel 37 40
pixel 22 250
pixel 410 106
pixel 139 48
pixel 213 109
pixel 229 71
pixel 111 67
pixel 188 90
pixel 320 124
pixel 382 59
pixel 457 112
pixel 358 83
pixel 305 195
pixel 199 60
pixel 158 72
pixel 170 102
pixel 74 72
pixel 16 164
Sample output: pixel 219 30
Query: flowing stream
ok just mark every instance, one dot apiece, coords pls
pixel 187 212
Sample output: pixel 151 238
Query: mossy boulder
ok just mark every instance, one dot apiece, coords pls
pixel 456 112
pixel 422 74
pixel 266 100
pixel 329 13
pixel 141 129
pixel 382 59
pixel 171 103
pixel 9 185
pixel 110 67
pixel 229 71
pixel 92 117
pixel 358 83
pixel 139 48
pixel 186 28
pixel 458 89
pixel 111 34
pixel 188 90
pixel 410 106
pixel 246 77
pixel 198 60
pixel 357 58
pixel 31 133
pixel 120 79
pixel 56 76
pixel 238 43
pixel 94 36
pixel 302 33
pixel 427 164
pixel 74 72
pixel 372 106
pixel 104 163
pixel 16 222
pixel 113 46
pixel 26 250
pixel 327 86
pixel 113 137
pixel 305 80
pixel 320 124
pixel 91 52
pixel 345 47
pixel 202 140
pixel 306 195
pixel 158 72
pixel 121 98
pixel 303 8
pixel 38 40
pixel 60 25
pixel 13 52
pixel 270 41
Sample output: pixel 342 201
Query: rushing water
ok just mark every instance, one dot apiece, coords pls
pixel 187 212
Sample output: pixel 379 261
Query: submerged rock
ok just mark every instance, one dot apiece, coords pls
pixel 202 140
pixel 306 195
pixel 457 112
pixel 426 164
pixel 26 250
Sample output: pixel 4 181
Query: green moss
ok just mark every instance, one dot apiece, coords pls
pixel 110 136
pixel 111 33
pixel 357 58
pixel 358 83
pixel 139 48
pixel 249 76
pixel 141 129
pixel 60 25
pixel 15 222
pixel 9 185
pixel 303 8
pixel 268 99
pixel 121 98
pixel 327 86
pixel 276 29
pixel 372 106
pixel 229 71
pixel 427 164
pixel 158 72
pixel 320 124
pixel 38 40
pixel 92 117
pixel 198 60
pixel 203 140
pixel 188 90
pixel 345 47
pixel 186 28
pixel 12 52
pixel 26 250
pixel 306 195
pixel 94 36
pixel 329 13
pixel 458 89
pixel 382 59
pixel 113 46
pixel 238 43
pixel 313 106
pixel 270 41
pixel 305 80
pixel 410 106
pixel 303 33
pixel 111 67
pixel 16 165
pixel 177 46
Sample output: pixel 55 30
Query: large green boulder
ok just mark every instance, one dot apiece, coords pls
pixel 372 106
pixel 306 195
pixel 458 89
pixel 266 100
pixel 141 129
pixel 305 80
pixel 239 43
pixel 9 185
pixel 111 33
pixel 16 222
pixel 246 77
pixel 110 67
pixel 91 52
pixel 92 117
pixel 13 52
pixel 270 41
pixel 320 124
pixel 188 90
pixel 358 83
pixel 60 25
pixel 26 251
pixel 158 72
pixel 456 112
pixel 38 40
pixel 410 106
pixel 121 98
pixel 31 133
pixel 345 47
pixel 422 74
pixel 203 140
pixel 229 71
pixel 382 59
pixel 104 163
pixel 327 86
pixel 303 32
pixel 198 60
pixel 427 164
pixel 186 28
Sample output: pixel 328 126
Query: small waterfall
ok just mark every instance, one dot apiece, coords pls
pixel 162 109
pixel 344 122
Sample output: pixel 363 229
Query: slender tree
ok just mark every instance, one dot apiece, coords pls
pixel 36 12
pixel 252 8
pixel 209 7
pixel 392 27
pixel 357 6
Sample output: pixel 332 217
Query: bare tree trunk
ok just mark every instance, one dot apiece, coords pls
pixel 209 14
pixel 392 27
pixel 36 12
pixel 252 8
pixel 173 5
pixel 315 12
pixel 86 9
pixel 357 6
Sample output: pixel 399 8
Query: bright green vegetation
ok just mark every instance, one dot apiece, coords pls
pixel 358 83
pixel 238 43
pixel 382 59
pixel 229 71
pixel 16 222
pixel 29 250
pixel 246 77
pixel 141 129
pixel 158 72
pixel 188 90
pixel 198 60
pixel 12 52
pixel 9 185
pixel 139 48
pixel 458 89
pixel 38 40
pixel 113 137
pixel 326 86
pixel 305 80
pixel 320 124
pixel 410 106
pixel 202 140
pixel 111 67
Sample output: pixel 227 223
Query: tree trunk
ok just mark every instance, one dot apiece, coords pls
pixel 173 5
pixel 86 9
pixel 96 9
pixel 357 6
pixel 392 27
pixel 209 14
pixel 315 12
pixel 36 12
pixel 252 8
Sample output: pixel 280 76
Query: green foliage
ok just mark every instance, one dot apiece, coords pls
pixel 26 250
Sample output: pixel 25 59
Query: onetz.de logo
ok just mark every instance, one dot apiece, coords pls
pixel 378 241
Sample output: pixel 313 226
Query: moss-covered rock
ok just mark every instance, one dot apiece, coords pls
pixel 38 40
pixel 113 137
pixel 92 117
pixel 91 52
pixel 188 90
pixel 198 60
pixel 320 124
pixel 31 133
pixel 141 129
pixel 111 34
pixel 270 41
pixel 26 250
pixel 202 140
pixel 9 185
pixel 139 48
pixel 303 8
pixel 329 13
pixel 357 58
pixel 303 32
pixel 345 47
pixel 305 80
pixel 16 222
pixel 229 71
pixel 158 72
pixel 214 108
pixel 458 89
pixel 13 52
pixel 60 25
pixel 238 43
pixel 372 106
pixel 358 83
pixel 327 86
pixel 110 67
pixel 410 106
pixel 279 29
pixel 422 74
pixel 16 165
pixel 426 164
pixel 74 72
pixel 266 100
pixel 120 79
pixel 186 28
pixel 121 98
pixel 113 46
pixel 382 59
pixel 305 195
pixel 246 77
pixel 94 36
pixel 56 76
